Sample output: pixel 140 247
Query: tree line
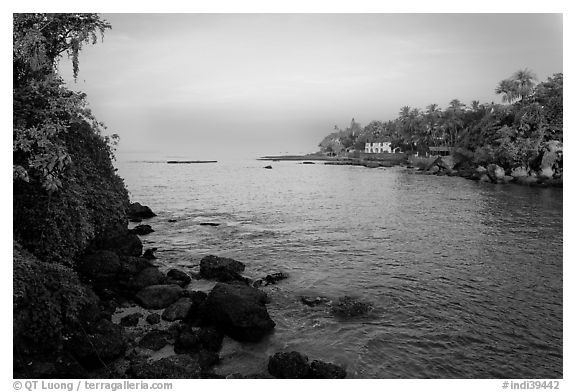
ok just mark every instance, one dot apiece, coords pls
pixel 511 133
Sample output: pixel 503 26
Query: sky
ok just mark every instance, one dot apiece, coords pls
pixel 207 86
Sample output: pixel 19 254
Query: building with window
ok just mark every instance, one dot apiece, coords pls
pixel 377 147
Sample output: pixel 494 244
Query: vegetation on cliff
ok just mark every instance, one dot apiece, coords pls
pixel 66 194
pixel 510 134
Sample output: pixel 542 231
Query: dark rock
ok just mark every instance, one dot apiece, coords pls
pixel 153 318
pixel 239 311
pixel 276 277
pixel 148 277
pixel 325 370
pixel 288 365
pixel 268 167
pixel 308 163
pixel 102 265
pixel 130 320
pixel 209 224
pixel 210 339
pixel 195 311
pixel 97 344
pixel 149 254
pixel 62 365
pixel 172 220
pixel 350 307
pixel 187 342
pixel 138 211
pixel 175 366
pixel 124 243
pixel 178 310
pixel 131 266
pixel 179 276
pixel 142 229
pixel 221 269
pixel 158 296
pixel 135 220
pixel 155 340
pixel 495 172
pixel 314 301
pixel 207 359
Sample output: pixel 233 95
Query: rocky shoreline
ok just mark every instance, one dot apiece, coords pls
pixel 547 173
pixel 139 322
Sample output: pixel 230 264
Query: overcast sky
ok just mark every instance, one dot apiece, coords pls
pixel 209 85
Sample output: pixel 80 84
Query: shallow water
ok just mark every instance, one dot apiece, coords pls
pixel 465 277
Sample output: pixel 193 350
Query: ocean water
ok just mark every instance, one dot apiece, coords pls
pixel 465 278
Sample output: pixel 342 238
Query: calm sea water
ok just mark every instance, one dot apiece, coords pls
pixel 465 277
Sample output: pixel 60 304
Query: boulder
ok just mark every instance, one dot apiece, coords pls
pixel 97 343
pixel 288 365
pixel 178 310
pixel 101 265
pixel 195 311
pixel 485 178
pixel 551 156
pixel 445 162
pixel 123 243
pixel 153 318
pixel 130 320
pixel 158 296
pixel 155 340
pixel 319 369
pixel 350 307
pixel 149 254
pixel 178 277
pixel 148 277
pixel 433 169
pixel 239 311
pixel 221 269
pixel 142 229
pixel 138 211
pixel 519 171
pixel 481 170
pixel 495 172
pixel 131 266
pixel 175 366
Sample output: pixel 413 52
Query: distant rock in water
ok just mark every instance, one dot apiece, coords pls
pixel 209 224
pixel 308 163
pixel 289 365
pixel 176 162
pixel 268 167
pixel 138 211
pixel 143 229
pixel 314 301
pixel 350 307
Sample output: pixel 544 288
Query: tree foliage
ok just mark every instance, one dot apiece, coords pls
pixel 43 107
pixel 510 134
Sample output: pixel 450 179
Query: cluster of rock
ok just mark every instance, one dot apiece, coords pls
pixel 549 172
pixel 295 365
pixel 168 313
pixel 194 323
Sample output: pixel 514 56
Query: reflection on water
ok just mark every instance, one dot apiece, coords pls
pixel 466 277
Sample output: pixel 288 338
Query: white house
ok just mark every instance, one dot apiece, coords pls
pixel 377 147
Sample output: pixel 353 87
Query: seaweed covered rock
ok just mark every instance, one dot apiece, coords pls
pixel 175 366
pixel 325 370
pixel 348 307
pixel 288 365
pixel 239 311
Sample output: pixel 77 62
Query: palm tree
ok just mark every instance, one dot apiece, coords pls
pixel 520 85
